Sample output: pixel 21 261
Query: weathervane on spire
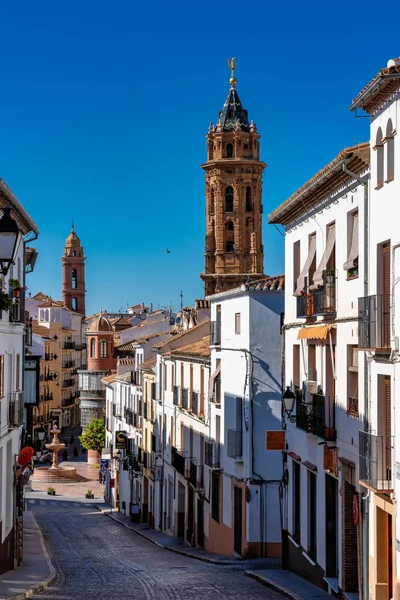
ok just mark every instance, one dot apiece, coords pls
pixel 73 226
pixel 232 66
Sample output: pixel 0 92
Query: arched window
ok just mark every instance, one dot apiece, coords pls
pixel 73 252
pixel 93 348
pixel 212 201
pixel 74 304
pixel 229 151
pixel 229 237
pixel 379 158
pixel 229 199
pixel 74 279
pixel 46 314
pixel 249 199
pixel 103 349
pixel 41 314
pixel 389 151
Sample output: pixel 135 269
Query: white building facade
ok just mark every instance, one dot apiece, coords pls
pixel 245 418
pixel 323 369
pixel 12 358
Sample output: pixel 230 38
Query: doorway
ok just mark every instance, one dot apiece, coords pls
pixel 190 525
pixel 200 522
pixel 238 519
pixel 331 492
pixel 384 552
pixel 181 510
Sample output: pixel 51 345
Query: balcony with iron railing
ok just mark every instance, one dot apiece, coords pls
pixel 48 356
pixel 116 411
pixel 68 345
pixel 316 417
pixel 68 383
pixel 321 301
pixel 191 471
pixel 215 333
pixel 17 309
pixel 235 438
pixel 211 454
pixel 374 322
pixel 185 398
pixel 15 409
pixel 68 364
pixel 46 397
pixel 178 460
pixel 376 455
pixel 176 395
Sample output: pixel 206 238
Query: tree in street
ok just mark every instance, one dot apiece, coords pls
pixel 94 437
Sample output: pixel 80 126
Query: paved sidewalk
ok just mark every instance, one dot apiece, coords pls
pixel 290 585
pixel 36 573
pixel 77 489
pixel 178 545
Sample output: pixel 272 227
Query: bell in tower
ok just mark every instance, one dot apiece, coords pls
pixel 234 250
pixel 73 265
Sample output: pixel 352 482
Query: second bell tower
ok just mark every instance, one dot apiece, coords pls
pixel 234 250
pixel 73 266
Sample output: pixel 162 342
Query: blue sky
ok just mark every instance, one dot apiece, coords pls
pixel 105 107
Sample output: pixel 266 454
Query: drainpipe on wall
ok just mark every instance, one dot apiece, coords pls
pixel 364 567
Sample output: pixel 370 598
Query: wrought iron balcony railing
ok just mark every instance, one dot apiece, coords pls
pixel 235 438
pixel 374 322
pixel 215 333
pixel 321 301
pixel 316 417
pixel 185 398
pixel 376 455
pixel 178 460
pixel 211 454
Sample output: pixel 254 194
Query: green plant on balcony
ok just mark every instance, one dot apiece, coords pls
pixel 5 301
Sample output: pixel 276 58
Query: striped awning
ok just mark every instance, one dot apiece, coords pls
pixel 314 333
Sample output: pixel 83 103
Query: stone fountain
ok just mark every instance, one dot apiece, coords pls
pixel 55 473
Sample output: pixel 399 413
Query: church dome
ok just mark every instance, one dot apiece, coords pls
pixel 100 323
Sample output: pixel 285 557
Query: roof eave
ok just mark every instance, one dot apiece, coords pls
pixel 17 206
pixel 358 102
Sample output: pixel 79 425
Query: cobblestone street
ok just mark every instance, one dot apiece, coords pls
pixel 98 559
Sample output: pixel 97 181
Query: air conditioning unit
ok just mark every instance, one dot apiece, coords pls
pixel 309 388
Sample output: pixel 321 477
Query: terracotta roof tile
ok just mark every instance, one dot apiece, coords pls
pixel 109 378
pixel 149 363
pixel 200 348
pixel 40 329
pixel 329 179
pixel 379 89
pixel 267 284
pixel 178 336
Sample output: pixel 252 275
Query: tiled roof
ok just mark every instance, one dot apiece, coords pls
pixel 31 255
pixel 379 89
pixel 178 336
pixel 127 347
pixel 125 377
pixel 109 378
pixel 325 182
pixel 201 348
pixel 267 284
pixel 7 198
pixel 50 303
pixel 40 329
pixel 149 363
pixel 202 303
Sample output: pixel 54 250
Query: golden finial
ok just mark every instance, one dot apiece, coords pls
pixel 232 66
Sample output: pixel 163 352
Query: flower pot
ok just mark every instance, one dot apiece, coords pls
pixel 89 496
pixel 51 493
pixel 16 293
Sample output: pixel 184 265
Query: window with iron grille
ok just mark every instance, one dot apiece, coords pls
pixel 215 497
pixel 185 398
pixel 208 453
pixel 176 395
pixel 195 402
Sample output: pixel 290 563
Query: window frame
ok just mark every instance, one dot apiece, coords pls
pixel 238 323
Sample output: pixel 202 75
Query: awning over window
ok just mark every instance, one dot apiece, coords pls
pixel 212 380
pixel 353 253
pixel 318 275
pixel 306 268
pixel 314 333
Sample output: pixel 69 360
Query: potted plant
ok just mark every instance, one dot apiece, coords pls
pixel 51 491
pixel 5 301
pixel 89 495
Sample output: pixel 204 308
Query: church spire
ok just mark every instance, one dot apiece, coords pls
pixel 73 265
pixel 233 117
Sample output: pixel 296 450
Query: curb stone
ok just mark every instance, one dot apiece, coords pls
pixel 39 587
pixel 273 585
pixel 206 559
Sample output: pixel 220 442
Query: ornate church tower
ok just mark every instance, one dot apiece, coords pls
pixel 73 264
pixel 234 251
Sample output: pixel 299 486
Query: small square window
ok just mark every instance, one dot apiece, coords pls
pixel 237 323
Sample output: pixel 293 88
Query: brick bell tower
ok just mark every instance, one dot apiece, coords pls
pixel 234 250
pixel 73 265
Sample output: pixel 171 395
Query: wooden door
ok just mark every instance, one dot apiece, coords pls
pixel 238 518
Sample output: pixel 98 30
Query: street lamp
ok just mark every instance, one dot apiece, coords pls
pixel 10 237
pixel 41 433
pixel 288 399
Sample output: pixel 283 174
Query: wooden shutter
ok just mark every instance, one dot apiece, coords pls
pixel 386 296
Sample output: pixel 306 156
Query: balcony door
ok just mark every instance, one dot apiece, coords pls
pixel 238 519
pixel 385 290
pixel 331 493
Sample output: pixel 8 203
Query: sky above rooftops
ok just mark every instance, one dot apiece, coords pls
pixel 106 107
